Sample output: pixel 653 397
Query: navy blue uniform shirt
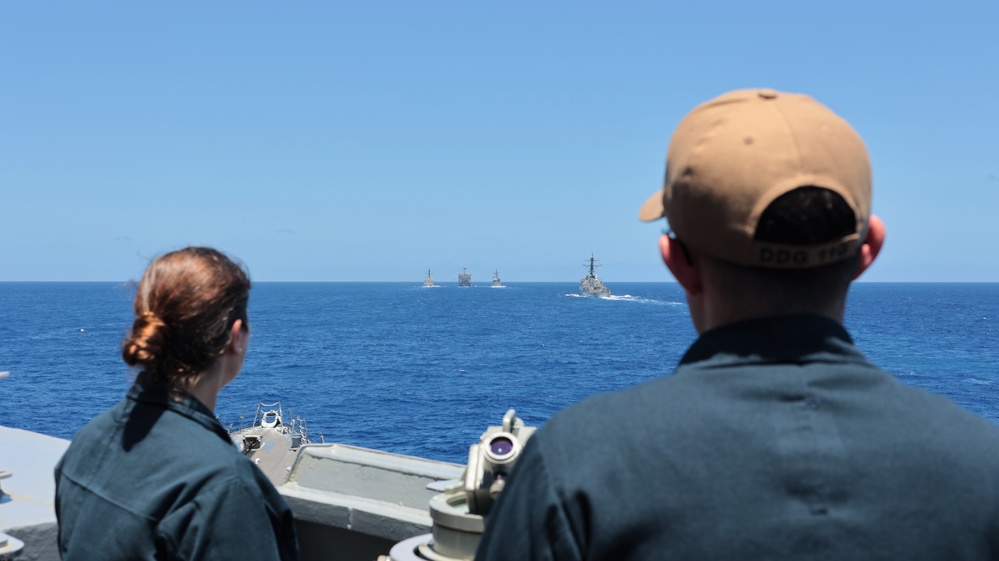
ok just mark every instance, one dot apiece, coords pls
pixel 774 439
pixel 157 477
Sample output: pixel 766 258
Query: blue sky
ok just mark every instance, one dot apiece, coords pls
pixel 368 141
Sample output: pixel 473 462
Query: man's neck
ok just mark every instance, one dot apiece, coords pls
pixel 712 309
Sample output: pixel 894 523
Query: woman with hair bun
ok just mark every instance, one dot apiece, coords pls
pixel 156 476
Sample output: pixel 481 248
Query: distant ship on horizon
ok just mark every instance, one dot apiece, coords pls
pixel 497 283
pixel 591 285
pixel 465 278
pixel 429 281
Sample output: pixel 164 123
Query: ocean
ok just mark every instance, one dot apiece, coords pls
pixel 423 371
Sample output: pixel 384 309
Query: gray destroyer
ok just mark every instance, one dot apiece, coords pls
pixel 591 285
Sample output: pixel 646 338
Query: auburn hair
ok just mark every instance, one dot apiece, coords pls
pixel 185 306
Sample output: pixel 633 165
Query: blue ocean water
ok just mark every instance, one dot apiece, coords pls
pixel 424 371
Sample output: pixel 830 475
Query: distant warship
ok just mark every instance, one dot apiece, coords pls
pixel 429 281
pixel 465 278
pixel 591 285
pixel 496 280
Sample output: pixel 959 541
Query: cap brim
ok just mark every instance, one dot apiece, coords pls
pixel 653 208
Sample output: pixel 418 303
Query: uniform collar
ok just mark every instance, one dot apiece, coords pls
pixel 152 391
pixel 772 339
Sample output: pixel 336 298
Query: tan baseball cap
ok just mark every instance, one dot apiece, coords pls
pixel 732 156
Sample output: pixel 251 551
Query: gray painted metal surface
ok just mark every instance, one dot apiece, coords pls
pixel 27 506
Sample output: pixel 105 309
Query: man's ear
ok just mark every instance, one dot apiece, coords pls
pixel 677 261
pixel 871 247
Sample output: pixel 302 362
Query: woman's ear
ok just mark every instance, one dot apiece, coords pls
pixel 237 337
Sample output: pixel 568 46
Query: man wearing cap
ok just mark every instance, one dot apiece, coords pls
pixel 774 438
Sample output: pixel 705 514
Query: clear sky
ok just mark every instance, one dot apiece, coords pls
pixel 370 140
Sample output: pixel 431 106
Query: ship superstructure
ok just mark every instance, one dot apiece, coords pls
pixel 465 278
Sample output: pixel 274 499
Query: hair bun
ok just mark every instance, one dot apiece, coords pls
pixel 145 343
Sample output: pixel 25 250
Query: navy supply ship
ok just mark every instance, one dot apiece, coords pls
pixel 465 278
pixel 591 285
